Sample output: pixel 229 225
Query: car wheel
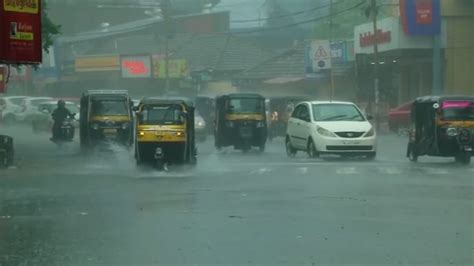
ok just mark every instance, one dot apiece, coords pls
pixel 463 158
pixel 312 151
pixel 290 151
pixel 412 155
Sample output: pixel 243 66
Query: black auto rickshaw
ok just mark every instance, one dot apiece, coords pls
pixel 165 132
pixel 206 107
pixel 442 126
pixel 106 115
pixel 240 121
pixel 6 151
pixel 280 112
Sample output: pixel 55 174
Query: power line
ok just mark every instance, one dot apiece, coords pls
pixel 303 22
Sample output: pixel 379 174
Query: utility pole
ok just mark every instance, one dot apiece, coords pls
pixel 331 39
pixel 165 6
pixel 373 9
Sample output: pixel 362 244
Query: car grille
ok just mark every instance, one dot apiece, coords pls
pixel 349 148
pixel 350 134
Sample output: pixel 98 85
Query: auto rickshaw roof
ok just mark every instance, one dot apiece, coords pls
pixel 437 99
pixel 243 95
pixel 166 100
pixel 106 92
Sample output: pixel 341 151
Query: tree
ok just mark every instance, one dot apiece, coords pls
pixel 48 30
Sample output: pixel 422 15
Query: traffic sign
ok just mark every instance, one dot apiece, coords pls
pixel 321 55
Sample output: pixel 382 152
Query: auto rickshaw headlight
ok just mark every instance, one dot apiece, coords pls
pixel 230 124
pixel 452 132
pixel 179 133
pixel 95 126
pixel 141 133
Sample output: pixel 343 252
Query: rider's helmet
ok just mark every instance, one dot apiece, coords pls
pixel 61 104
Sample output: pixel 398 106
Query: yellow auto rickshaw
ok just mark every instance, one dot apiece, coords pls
pixel 165 132
pixel 106 115
pixel 442 126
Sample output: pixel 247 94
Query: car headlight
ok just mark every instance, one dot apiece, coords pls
pixel 325 132
pixel 230 124
pixel 260 124
pixel 95 126
pixel 370 133
pixel 452 132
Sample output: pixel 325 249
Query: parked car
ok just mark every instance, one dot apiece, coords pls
pixel 399 118
pixel 330 128
pixel 30 108
pixel 41 120
pixel 10 106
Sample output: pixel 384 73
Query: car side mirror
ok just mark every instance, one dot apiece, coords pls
pixel 370 117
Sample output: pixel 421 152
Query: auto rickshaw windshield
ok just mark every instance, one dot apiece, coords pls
pixel 162 115
pixel 245 106
pixel 112 107
pixel 457 110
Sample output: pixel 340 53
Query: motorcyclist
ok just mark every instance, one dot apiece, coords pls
pixel 59 115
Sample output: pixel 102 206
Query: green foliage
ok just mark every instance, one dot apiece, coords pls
pixel 48 30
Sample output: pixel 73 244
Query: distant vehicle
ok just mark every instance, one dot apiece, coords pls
pixel 280 109
pixel 442 126
pixel 10 107
pixel 240 121
pixel 42 120
pixel 65 133
pixel 200 127
pixel 6 151
pixel 330 128
pixel 399 118
pixel 30 108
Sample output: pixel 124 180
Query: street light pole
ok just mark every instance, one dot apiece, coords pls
pixel 376 64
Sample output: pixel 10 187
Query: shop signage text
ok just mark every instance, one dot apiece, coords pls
pixel 136 66
pixel 368 39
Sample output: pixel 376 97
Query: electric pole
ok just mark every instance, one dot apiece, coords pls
pixel 373 9
pixel 331 39
pixel 165 10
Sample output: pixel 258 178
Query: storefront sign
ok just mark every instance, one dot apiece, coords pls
pixel 368 38
pixel 20 31
pixel 97 63
pixel 3 79
pixel 420 17
pixel 136 66
pixel 320 55
pixel 177 68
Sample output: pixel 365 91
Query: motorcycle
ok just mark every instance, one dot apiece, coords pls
pixel 65 132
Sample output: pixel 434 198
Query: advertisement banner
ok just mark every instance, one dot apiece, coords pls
pixel 338 52
pixel 420 17
pixel 136 66
pixel 97 63
pixel 20 31
pixel 320 55
pixel 3 79
pixel 177 68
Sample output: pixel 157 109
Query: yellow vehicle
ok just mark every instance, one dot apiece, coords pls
pixel 106 116
pixel 165 132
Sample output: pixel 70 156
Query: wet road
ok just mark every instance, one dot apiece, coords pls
pixel 59 208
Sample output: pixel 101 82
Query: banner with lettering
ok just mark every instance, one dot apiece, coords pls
pixel 420 17
pixel 20 31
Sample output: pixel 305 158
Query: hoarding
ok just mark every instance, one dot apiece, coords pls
pixel 420 17
pixel 136 66
pixel 177 68
pixel 97 63
pixel 3 79
pixel 20 31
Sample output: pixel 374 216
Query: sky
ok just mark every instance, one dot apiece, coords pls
pixel 243 10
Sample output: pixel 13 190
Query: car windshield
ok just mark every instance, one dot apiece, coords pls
pixel 103 107
pixel 458 110
pixel 245 106
pixel 162 115
pixel 17 101
pixel 336 112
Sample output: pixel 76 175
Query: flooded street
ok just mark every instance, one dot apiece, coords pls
pixel 58 207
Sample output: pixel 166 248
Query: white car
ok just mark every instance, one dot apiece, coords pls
pixel 42 120
pixel 30 107
pixel 10 106
pixel 330 128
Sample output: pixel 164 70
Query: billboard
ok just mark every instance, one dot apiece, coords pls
pixel 420 17
pixel 97 63
pixel 136 66
pixel 177 68
pixel 20 31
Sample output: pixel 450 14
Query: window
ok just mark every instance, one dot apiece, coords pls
pixel 162 115
pixel 336 112
pixel 245 106
pixel 296 112
pixel 109 107
pixel 458 110
pixel 304 113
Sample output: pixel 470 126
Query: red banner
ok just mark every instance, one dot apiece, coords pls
pixel 3 79
pixel 20 31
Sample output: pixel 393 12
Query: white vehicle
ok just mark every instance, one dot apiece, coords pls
pixel 42 120
pixel 330 128
pixel 10 107
pixel 30 107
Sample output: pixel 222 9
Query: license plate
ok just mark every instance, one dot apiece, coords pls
pixel 110 131
pixel 351 142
